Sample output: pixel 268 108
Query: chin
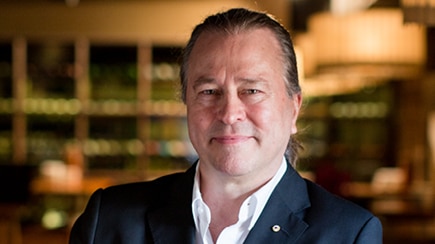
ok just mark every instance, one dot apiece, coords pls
pixel 234 166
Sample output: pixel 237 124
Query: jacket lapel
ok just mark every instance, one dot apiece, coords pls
pixel 282 218
pixel 280 222
pixel 171 220
pixel 172 225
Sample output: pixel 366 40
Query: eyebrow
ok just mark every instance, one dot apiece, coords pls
pixel 201 81
pixel 205 80
pixel 253 81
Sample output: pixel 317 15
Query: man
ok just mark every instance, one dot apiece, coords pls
pixel 240 87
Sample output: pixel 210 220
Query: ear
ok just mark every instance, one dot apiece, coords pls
pixel 296 104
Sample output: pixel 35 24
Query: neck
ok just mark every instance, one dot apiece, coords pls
pixel 224 200
pixel 218 184
pixel 228 188
pixel 224 194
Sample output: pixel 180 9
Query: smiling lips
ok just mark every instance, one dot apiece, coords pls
pixel 234 139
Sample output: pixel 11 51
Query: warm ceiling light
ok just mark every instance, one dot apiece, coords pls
pixel 347 6
pixel 375 36
pixel 364 48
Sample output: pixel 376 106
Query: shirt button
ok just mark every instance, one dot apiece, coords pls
pixel 276 228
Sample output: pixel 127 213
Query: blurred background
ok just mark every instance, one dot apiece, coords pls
pixel 89 98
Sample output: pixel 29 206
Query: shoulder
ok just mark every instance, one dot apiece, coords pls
pixel 336 216
pixel 327 203
pixel 145 192
pixel 129 201
pixel 118 211
pixel 331 217
pixel 317 206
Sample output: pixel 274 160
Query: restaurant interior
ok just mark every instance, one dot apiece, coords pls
pixel 89 99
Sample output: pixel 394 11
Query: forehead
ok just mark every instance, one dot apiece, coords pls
pixel 254 45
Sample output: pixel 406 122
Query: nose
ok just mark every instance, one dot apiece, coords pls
pixel 231 109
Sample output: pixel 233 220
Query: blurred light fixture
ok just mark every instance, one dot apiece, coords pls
pixel 419 11
pixel 375 36
pixel 360 49
pixel 347 6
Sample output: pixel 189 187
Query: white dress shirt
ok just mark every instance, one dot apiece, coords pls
pixel 248 213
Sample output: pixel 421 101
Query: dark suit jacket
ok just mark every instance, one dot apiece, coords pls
pixel 160 211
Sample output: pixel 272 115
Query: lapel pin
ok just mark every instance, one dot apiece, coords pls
pixel 276 228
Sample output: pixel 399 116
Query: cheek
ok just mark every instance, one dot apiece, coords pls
pixel 198 118
pixel 278 117
pixel 264 117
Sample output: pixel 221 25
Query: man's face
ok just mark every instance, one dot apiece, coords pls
pixel 240 116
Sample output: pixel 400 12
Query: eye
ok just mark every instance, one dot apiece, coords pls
pixel 252 91
pixel 208 92
pixel 253 95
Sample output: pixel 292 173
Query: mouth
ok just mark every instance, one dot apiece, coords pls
pixel 229 140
